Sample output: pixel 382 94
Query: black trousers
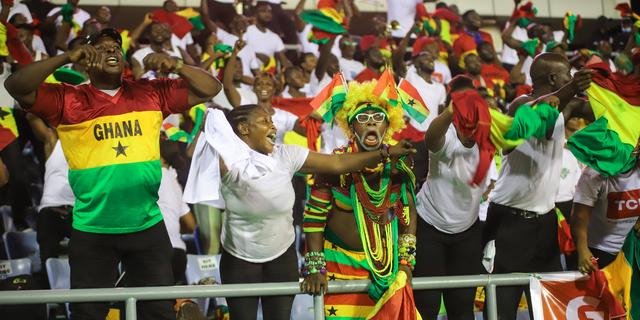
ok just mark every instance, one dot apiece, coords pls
pixel 443 254
pixel 282 269
pixel 17 189
pixel 179 266
pixel 523 244
pixel 146 257
pixel 54 224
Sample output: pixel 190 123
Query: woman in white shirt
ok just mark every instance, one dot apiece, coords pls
pixel 258 233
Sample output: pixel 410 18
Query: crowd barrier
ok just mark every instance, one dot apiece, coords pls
pixel 131 295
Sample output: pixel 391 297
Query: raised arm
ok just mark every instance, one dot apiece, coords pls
pixel 323 58
pixel 507 37
pixel 202 84
pixel 229 88
pixel 397 56
pixel 43 133
pixel 23 84
pixel 434 138
pixel 296 16
pixel 137 32
pixel 353 162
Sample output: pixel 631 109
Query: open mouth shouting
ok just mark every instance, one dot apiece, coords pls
pixel 271 138
pixel 112 61
pixel 370 140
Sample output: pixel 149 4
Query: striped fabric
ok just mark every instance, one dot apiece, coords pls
pixel 315 211
pixel 343 264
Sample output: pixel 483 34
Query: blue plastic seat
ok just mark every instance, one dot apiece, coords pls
pixel 59 274
pixel 23 245
pixel 14 267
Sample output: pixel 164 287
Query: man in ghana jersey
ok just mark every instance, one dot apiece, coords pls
pixel 109 130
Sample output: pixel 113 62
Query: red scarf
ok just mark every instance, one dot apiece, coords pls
pixel 472 119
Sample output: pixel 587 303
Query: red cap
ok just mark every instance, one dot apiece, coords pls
pixel 420 43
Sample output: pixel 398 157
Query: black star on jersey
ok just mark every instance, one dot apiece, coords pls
pixel 332 277
pixel 120 149
pixel 333 311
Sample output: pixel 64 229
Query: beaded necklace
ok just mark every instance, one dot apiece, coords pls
pixel 375 212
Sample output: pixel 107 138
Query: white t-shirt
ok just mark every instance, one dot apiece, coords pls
pixel 141 53
pixel 181 43
pixel 616 207
pixel 56 190
pixel 569 176
pixel 441 72
pixel 267 43
pixel 247 96
pixel 491 176
pixel 37 44
pixel 433 94
pixel 258 221
pixel 529 175
pixel 403 11
pixel 22 9
pixel 332 138
pixel 315 85
pixel 246 55
pixel 284 121
pixel 446 200
pixel 172 206
pixel 510 56
pixel 350 68
pixel 79 17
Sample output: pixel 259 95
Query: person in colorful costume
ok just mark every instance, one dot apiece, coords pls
pixel 362 225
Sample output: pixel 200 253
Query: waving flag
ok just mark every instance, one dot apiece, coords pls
pixel 330 99
pixel 623 276
pixel 606 145
pixel 386 87
pixel 412 102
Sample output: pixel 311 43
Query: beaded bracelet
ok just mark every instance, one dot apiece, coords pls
pixel 407 250
pixel 314 262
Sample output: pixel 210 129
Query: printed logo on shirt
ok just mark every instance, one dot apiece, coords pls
pixel 114 130
pixel 437 77
pixel 623 205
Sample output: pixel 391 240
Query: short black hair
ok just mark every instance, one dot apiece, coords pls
pixel 460 82
pixel 467 13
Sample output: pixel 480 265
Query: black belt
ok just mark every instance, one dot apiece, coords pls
pixel 525 214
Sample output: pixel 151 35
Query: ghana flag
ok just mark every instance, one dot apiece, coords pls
pixel 412 102
pixel 623 276
pixel 330 98
pixel 386 87
pixel 8 127
pixel 606 145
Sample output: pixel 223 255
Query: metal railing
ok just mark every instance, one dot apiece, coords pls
pixel 131 295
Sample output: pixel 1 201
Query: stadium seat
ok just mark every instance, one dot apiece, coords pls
pixel 200 267
pixel 194 239
pixel 14 267
pixel 7 220
pixel 59 274
pixel 302 307
pixel 23 245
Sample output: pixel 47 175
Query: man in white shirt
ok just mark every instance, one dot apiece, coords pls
pixel 79 17
pixel 404 12
pixel 159 37
pixel 448 227
pixel 264 42
pixel 350 67
pixel 605 210
pixel 521 215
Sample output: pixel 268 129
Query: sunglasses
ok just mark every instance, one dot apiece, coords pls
pixel 367 117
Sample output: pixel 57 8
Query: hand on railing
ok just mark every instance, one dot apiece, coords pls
pixel 314 284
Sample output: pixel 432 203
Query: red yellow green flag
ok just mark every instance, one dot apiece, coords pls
pixel 386 87
pixel 607 144
pixel 412 102
pixel 623 276
pixel 331 98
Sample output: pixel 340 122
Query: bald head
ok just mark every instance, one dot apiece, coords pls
pixel 550 70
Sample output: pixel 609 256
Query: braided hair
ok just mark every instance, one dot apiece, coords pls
pixel 239 115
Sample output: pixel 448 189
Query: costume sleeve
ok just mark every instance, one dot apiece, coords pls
pixel 173 95
pixel 316 210
pixel 49 104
